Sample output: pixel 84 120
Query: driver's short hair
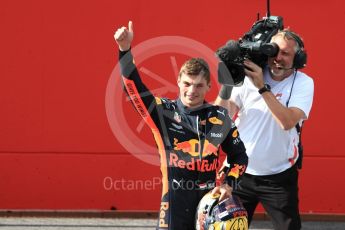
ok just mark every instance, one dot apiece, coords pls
pixel 196 66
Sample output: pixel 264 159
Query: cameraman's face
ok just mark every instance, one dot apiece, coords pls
pixel 282 64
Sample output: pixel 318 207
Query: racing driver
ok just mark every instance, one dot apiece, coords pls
pixel 189 133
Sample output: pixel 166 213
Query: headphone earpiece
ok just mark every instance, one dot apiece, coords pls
pixel 300 59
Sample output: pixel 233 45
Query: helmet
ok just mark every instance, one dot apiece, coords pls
pixel 228 214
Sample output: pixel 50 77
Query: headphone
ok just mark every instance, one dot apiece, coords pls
pixel 300 59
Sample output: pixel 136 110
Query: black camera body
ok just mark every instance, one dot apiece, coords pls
pixel 254 45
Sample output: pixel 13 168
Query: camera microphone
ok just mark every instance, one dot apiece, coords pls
pixel 230 52
pixel 230 69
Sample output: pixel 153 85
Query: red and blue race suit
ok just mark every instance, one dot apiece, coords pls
pixel 188 141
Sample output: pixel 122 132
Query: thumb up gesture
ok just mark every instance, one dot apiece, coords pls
pixel 124 36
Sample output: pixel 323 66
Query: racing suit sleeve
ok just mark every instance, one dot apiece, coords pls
pixel 140 96
pixel 235 152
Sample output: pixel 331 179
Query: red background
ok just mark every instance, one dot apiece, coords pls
pixel 57 150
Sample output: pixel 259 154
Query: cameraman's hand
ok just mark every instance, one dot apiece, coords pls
pixel 124 37
pixel 255 73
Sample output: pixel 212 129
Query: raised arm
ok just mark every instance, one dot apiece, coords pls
pixel 142 99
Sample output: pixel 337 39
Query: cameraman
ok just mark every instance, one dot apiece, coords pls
pixel 268 106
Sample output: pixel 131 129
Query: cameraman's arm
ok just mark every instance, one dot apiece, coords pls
pixel 223 100
pixel 286 117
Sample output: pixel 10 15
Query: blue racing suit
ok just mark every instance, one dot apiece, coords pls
pixel 188 141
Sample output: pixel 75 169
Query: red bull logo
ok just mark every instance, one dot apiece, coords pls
pixel 201 165
pixel 237 170
pixel 189 147
pixel 192 147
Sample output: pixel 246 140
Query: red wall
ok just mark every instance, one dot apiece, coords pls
pixel 69 139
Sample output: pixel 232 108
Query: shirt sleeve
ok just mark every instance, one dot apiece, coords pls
pixel 238 92
pixel 302 94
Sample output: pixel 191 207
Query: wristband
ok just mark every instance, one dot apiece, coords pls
pixel 225 92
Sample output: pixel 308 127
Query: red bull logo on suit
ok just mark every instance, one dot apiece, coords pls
pixel 192 148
